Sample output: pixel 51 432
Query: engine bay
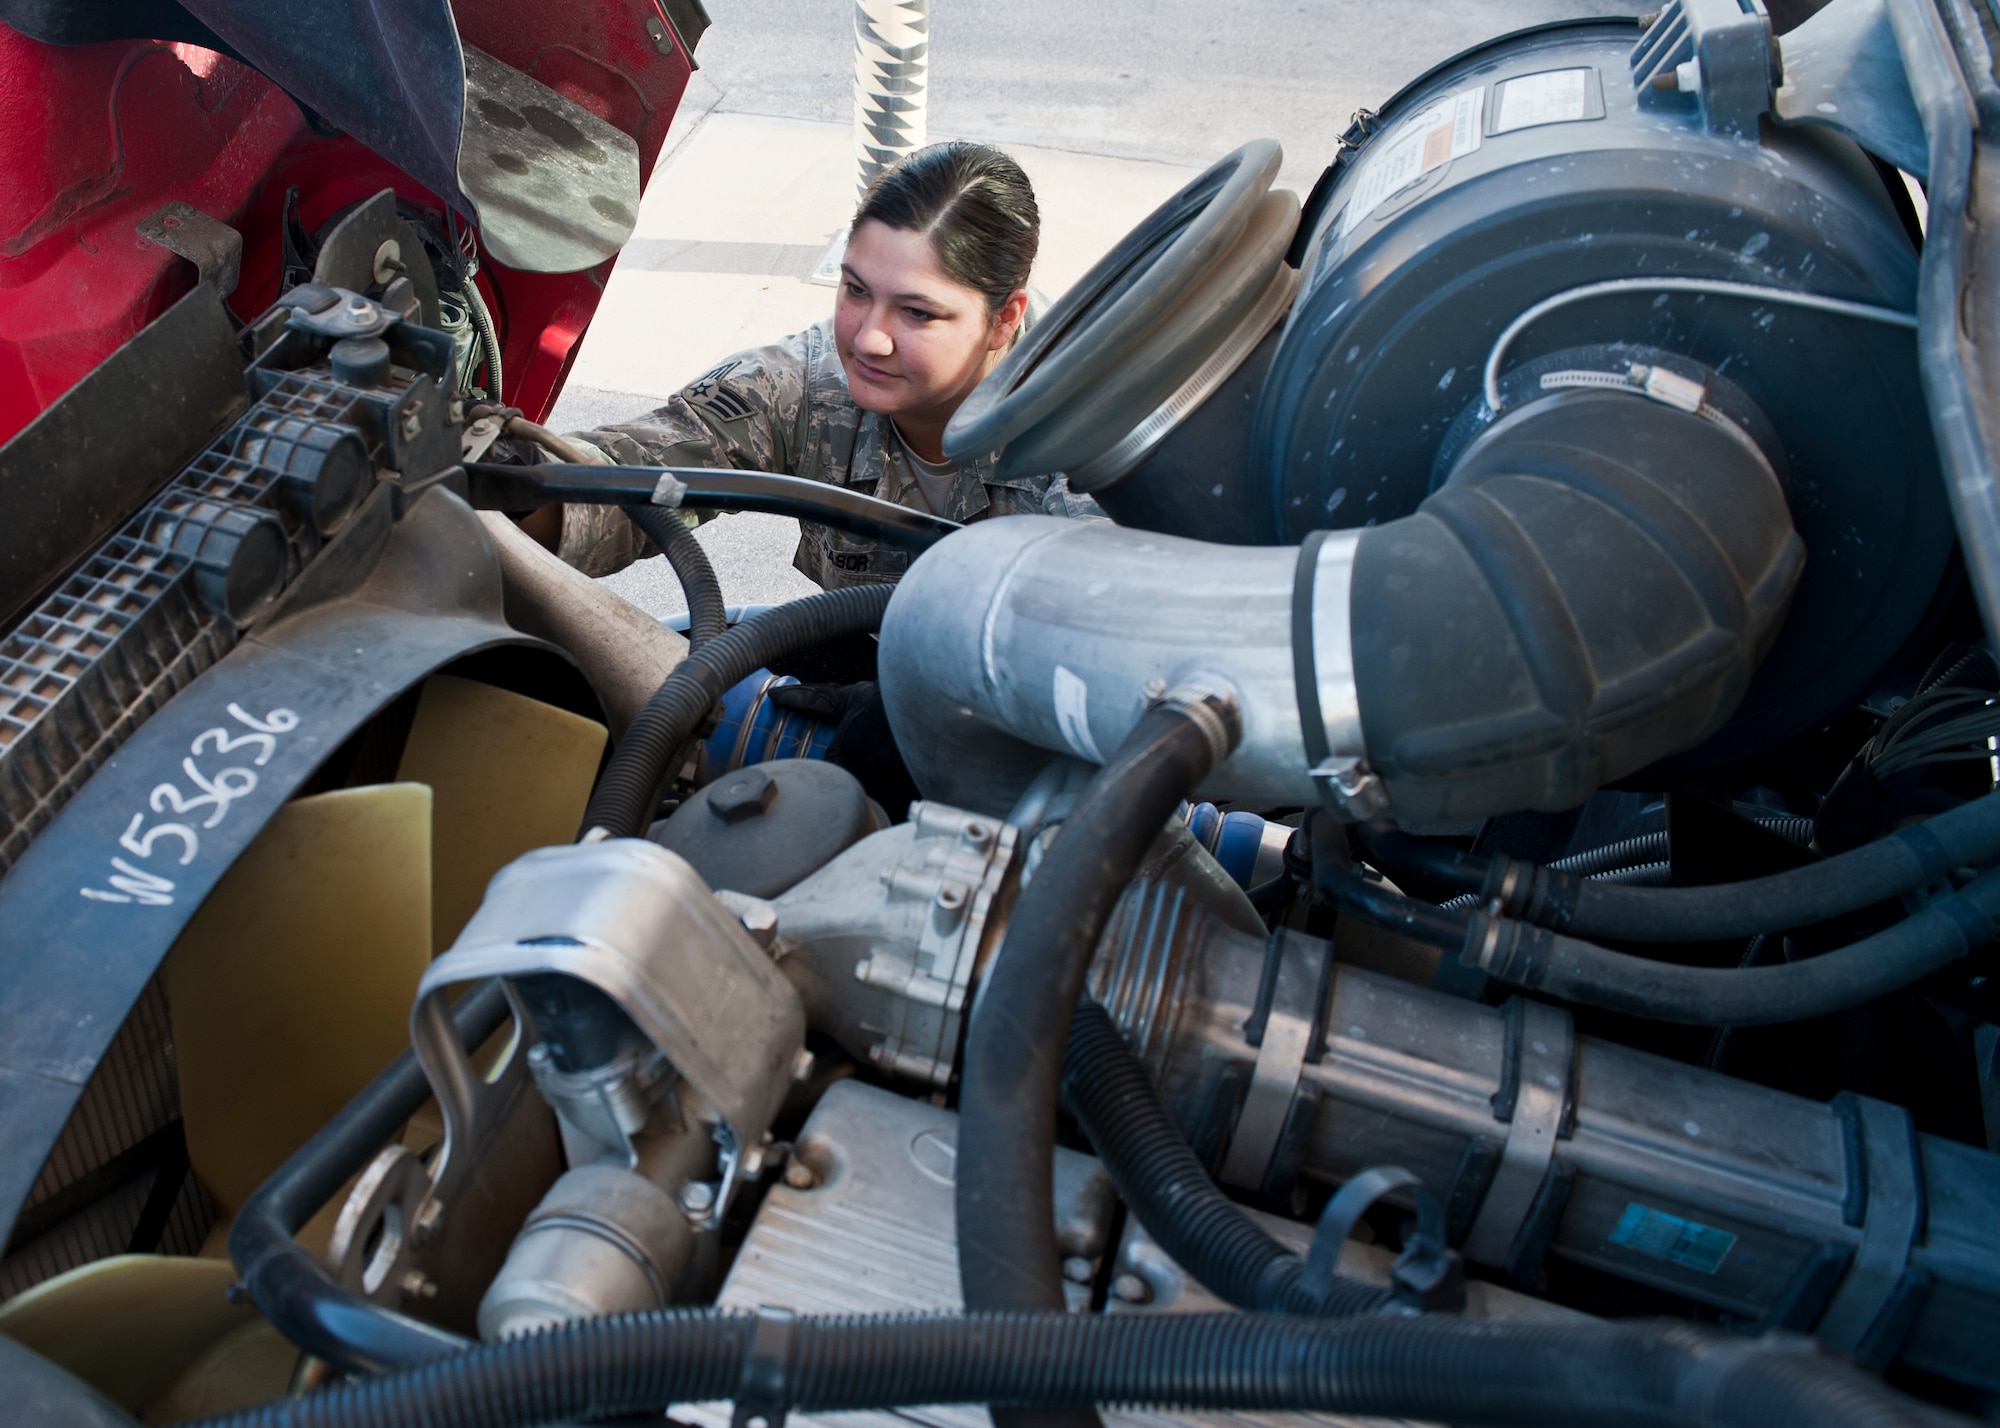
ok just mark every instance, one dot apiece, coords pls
pixel 1469 898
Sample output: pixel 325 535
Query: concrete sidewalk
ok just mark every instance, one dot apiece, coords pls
pixel 736 218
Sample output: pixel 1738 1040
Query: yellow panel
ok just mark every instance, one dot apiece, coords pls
pixel 245 1367
pixel 128 1326
pixel 291 988
pixel 510 774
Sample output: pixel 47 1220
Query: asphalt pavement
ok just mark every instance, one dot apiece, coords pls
pixel 1110 108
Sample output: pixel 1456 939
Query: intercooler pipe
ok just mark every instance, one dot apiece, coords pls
pixel 625 653
pixel 1590 590
pixel 1013 1060
pixel 1595 1375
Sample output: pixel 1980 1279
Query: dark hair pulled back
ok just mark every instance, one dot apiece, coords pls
pixel 973 203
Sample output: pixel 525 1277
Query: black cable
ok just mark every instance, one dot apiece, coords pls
pixel 1012 1065
pixel 627 793
pixel 1437 1369
pixel 287 1282
pixel 494 486
pixel 1163 1182
pixel 707 616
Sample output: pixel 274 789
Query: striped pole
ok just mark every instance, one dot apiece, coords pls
pixel 891 56
pixel 891 60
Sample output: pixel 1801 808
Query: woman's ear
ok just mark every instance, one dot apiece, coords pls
pixel 1007 321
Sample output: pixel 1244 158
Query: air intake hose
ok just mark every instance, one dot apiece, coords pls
pixel 1589 591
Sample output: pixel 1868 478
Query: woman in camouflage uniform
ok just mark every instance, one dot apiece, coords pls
pixel 933 292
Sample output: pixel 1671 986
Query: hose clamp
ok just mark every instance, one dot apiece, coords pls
pixel 764 1396
pixel 1537 1079
pixel 1209 703
pixel 1323 673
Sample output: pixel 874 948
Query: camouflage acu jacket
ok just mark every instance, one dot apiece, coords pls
pixel 785 408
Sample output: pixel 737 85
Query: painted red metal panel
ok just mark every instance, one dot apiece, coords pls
pixel 94 138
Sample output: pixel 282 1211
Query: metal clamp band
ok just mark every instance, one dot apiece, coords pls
pixel 1289 1034
pixel 1893 1218
pixel 764 1396
pixel 1544 1057
pixel 1323 676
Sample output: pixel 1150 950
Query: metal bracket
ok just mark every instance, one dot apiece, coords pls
pixel 1427 1276
pixel 1541 1066
pixel 215 249
pixel 633 920
pixel 1714 57
pixel 1844 73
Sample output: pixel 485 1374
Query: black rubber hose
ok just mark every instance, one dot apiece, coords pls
pixel 1373 903
pixel 1106 1087
pixel 707 616
pixel 496 487
pixel 1012 1076
pixel 1949 928
pixel 1918 856
pixel 628 791
pixel 1508 949
pixel 285 1279
pixel 1590 1375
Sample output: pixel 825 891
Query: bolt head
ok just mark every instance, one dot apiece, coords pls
pixel 741 796
pixel 1076 1269
pixel 697 1198
pixel 800 1176
pixel 1132 1289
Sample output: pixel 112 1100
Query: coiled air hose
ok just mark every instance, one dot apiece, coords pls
pixel 707 616
pixel 1511 950
pixel 1012 1066
pixel 498 487
pixel 1914 857
pixel 626 794
pixel 1162 1181
pixel 1597 1375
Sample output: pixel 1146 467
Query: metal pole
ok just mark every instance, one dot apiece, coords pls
pixel 891 65
pixel 891 57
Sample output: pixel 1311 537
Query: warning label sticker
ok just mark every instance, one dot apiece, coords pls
pixel 1669 1237
pixel 1558 96
pixel 1447 130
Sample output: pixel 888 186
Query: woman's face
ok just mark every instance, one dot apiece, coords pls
pixel 913 341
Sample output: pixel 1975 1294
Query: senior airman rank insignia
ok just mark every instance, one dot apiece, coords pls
pixel 708 393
